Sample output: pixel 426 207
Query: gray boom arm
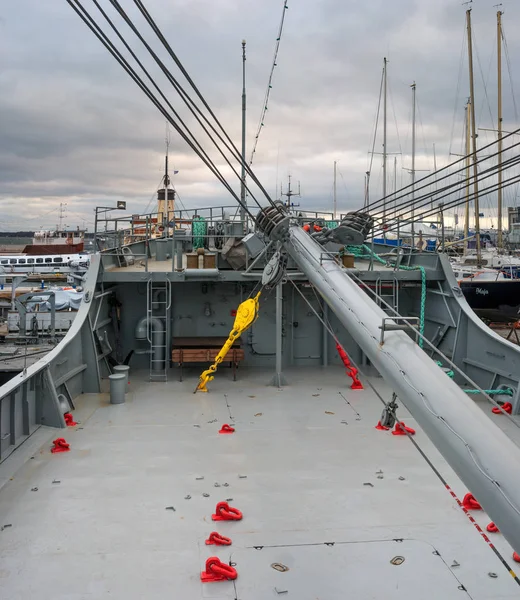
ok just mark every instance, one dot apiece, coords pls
pixel 486 460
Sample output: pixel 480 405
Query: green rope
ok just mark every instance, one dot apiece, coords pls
pixel 365 252
pixel 502 392
pixel 505 392
pixel 331 224
pixel 198 230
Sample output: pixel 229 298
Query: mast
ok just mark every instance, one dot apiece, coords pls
pixel 335 197
pixel 367 189
pixel 499 66
pixel 474 137
pixel 413 162
pixel 468 166
pixel 385 62
pixel 434 169
pixel 395 182
pixel 243 174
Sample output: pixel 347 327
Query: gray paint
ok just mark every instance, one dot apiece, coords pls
pixel 479 452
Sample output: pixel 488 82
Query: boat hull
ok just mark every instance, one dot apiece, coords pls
pixel 493 299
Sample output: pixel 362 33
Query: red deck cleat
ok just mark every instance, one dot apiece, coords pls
pixel 227 429
pixel 216 570
pixel 224 512
pixel 60 445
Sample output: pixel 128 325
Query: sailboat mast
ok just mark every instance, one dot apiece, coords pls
pixel 243 174
pixel 413 161
pixel 385 62
pixel 434 170
pixel 395 183
pixel 474 138
pixel 468 168
pixel 335 197
pixel 499 65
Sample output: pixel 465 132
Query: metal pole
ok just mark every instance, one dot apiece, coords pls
pixel 413 163
pixel 474 138
pixel 468 163
pixel 95 228
pixel 443 240
pixel 384 146
pixel 165 209
pixel 243 175
pixel 499 65
pixel 279 380
pixel 335 197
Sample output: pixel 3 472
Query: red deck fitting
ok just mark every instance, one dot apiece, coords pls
pixel 492 528
pixel 506 407
pixel 217 539
pixel 216 570
pixel 516 557
pixel 69 420
pixel 60 445
pixel 352 372
pixel 227 429
pixel 381 427
pixel 224 512
pixel 469 502
pixel 401 429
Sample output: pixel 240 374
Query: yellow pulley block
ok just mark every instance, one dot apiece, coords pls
pixel 247 313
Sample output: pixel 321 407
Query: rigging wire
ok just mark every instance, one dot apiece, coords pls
pixel 182 93
pixel 178 124
pixel 376 123
pixel 459 79
pixel 453 189
pixel 231 147
pixel 484 82
pixel 94 27
pixel 265 105
pixel 458 186
pixel 395 117
pixel 510 73
pixel 424 180
pixel 453 203
pixel 490 172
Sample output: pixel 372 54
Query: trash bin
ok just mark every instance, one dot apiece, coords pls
pixel 123 369
pixel 117 388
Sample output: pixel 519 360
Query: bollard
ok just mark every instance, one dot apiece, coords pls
pixel 117 388
pixel 123 370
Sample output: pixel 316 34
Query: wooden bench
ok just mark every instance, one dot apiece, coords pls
pixel 205 350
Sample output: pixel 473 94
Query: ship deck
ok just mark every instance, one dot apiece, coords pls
pixel 322 492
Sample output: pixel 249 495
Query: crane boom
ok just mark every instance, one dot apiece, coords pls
pixel 481 454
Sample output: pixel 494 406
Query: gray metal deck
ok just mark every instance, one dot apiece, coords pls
pixel 104 531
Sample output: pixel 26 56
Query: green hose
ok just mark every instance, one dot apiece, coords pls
pixel 199 230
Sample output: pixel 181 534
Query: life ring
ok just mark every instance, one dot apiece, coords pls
pixel 160 229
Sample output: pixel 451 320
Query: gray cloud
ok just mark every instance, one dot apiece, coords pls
pixel 75 129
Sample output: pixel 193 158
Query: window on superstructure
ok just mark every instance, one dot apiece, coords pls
pixel 39 260
pixel 57 260
pixel 12 261
pixel 48 260
pixel 21 261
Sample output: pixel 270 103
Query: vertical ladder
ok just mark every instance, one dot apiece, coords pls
pixel 388 290
pixel 158 302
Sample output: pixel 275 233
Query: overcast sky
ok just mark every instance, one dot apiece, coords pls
pixel 75 129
